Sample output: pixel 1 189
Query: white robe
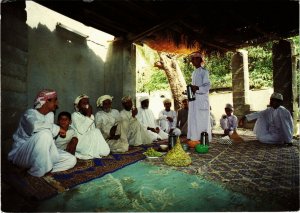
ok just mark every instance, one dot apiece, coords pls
pixel 199 109
pixel 91 143
pixel 147 119
pixel 136 134
pixel 273 126
pixel 230 122
pixel 165 124
pixel 34 147
pixel 62 143
pixel 105 121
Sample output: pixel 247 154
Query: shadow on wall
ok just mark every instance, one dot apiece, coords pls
pixel 62 60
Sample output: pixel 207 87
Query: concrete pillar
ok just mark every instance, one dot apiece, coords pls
pixel 284 75
pixel 240 83
pixel 120 72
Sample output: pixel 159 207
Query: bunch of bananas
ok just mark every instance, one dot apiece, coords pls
pixel 177 156
pixel 152 153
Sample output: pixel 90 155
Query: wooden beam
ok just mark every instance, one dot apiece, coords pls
pixel 160 26
pixel 101 20
pixel 204 41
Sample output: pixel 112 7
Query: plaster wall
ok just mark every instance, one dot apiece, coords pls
pixel 72 61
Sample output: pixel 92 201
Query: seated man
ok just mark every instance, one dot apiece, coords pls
pixel 228 122
pixel 147 119
pixel 136 134
pixel 33 142
pixel 108 120
pixel 91 143
pixel 182 116
pixel 168 119
pixel 69 141
pixel 274 125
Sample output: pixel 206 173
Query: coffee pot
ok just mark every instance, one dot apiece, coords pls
pixel 204 138
pixel 191 96
pixel 172 140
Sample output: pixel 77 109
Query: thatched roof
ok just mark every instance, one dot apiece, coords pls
pixel 178 25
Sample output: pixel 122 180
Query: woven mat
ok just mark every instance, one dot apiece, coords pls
pixel 259 171
pixel 54 183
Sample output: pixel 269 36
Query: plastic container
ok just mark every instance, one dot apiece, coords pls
pixel 200 148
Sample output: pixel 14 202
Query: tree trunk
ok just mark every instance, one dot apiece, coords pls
pixel 177 83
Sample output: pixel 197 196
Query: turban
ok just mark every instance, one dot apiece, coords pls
pixel 229 106
pixel 78 99
pixel 167 100
pixel 103 98
pixel 126 98
pixel 278 96
pixel 144 98
pixel 43 96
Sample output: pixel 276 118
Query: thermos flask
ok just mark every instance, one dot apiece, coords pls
pixel 172 141
pixel 191 96
pixel 204 138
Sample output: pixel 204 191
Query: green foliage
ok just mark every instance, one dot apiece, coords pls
pixel 219 70
pixel 157 81
pixel 219 67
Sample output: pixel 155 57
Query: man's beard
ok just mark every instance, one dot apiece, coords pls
pixel 107 110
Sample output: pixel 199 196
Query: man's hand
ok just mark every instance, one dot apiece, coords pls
pixel 242 121
pixel 112 132
pixel 89 110
pixel 71 147
pixel 226 131
pixel 134 112
pixel 171 131
pixel 62 133
pixel 170 119
pixel 155 130
pixel 194 88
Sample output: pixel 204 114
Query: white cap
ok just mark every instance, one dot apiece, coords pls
pixel 144 98
pixel 229 106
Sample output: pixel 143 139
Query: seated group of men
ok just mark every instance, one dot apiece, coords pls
pixel 42 146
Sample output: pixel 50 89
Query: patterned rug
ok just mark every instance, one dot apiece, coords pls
pixel 84 171
pixel 262 172
pixel 142 187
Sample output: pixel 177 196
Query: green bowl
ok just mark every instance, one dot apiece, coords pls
pixel 200 148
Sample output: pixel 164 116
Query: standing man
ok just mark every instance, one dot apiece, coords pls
pixel 33 142
pixel 274 125
pixel 199 109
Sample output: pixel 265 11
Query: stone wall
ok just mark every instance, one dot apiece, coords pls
pixel 14 60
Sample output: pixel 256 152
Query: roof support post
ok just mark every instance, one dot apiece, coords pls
pixel 284 75
pixel 240 83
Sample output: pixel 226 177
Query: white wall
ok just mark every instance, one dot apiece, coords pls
pixel 62 60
